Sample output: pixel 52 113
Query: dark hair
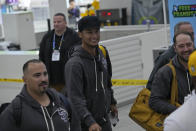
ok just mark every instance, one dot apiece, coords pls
pixel 25 66
pixel 61 14
pixel 177 26
pixel 71 1
pixel 88 22
pixel 182 32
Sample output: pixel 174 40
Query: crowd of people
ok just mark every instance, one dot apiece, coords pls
pixel 69 87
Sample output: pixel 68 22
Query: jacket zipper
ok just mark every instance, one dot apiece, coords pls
pixel 52 124
pixel 104 94
pixel 187 75
pixel 95 73
pixel 101 83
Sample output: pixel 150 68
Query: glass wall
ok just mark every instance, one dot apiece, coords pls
pixel 39 8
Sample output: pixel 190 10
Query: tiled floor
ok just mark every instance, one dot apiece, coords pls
pixel 125 123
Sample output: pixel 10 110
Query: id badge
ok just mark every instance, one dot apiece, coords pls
pixel 56 55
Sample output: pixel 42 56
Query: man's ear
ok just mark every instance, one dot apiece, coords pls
pixel 174 48
pixel 80 34
pixel 24 79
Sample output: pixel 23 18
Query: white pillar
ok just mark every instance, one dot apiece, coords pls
pixel 56 6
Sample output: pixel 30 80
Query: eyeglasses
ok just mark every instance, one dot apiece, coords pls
pixel 181 46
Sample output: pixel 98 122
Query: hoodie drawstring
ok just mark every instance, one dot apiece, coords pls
pixel 45 117
pixel 95 74
pixel 52 125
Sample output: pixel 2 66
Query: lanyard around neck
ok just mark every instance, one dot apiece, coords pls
pixel 53 43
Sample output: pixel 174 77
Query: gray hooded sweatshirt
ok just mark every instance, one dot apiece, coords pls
pixel 87 80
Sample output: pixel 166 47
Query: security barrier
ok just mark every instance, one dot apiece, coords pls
pixel 128 82
pixel 10 80
pixel 115 82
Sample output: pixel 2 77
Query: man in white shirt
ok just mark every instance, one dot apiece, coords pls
pixel 183 118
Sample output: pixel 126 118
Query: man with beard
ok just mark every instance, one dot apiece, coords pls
pixel 161 86
pixel 166 56
pixel 182 119
pixel 37 107
pixel 88 79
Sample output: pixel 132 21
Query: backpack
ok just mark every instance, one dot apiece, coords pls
pixel 103 50
pixel 17 107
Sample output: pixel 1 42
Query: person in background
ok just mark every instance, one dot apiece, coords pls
pixel 165 57
pixel 183 118
pixel 37 107
pixel 73 11
pixel 161 86
pixel 89 81
pixel 54 49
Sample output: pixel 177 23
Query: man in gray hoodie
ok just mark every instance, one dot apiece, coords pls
pixel 37 107
pixel 88 79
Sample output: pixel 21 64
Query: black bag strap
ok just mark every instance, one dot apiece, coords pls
pixel 17 110
pixel 103 50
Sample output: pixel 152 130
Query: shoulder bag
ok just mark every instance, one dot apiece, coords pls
pixel 143 115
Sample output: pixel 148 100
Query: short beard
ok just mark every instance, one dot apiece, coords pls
pixel 182 59
pixel 42 92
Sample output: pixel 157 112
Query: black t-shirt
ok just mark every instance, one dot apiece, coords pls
pixel 56 66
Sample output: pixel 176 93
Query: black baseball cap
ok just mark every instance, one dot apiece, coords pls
pixel 88 22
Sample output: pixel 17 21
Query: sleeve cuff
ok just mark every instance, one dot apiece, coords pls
pixel 89 120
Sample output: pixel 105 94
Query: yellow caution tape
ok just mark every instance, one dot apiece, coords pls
pixel 10 80
pixel 115 82
pixel 128 82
